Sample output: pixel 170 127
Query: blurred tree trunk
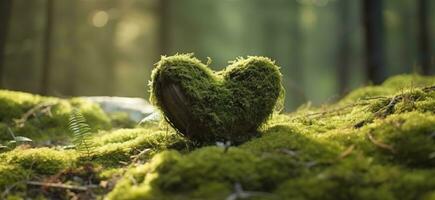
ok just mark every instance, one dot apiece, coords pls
pixel 343 45
pixel 163 12
pixel 284 44
pixel 46 67
pixel 374 40
pixel 296 54
pixel 5 15
pixel 109 50
pixel 110 59
pixel 73 35
pixel 406 57
pixel 424 51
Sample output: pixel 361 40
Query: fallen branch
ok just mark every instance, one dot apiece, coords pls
pixel 62 186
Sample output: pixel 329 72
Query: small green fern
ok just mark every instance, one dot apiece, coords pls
pixel 82 131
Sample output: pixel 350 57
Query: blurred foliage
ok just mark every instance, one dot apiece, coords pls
pixel 108 47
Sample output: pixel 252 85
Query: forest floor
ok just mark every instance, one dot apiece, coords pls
pixel 378 142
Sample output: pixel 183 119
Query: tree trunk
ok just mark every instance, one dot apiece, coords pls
pixel 73 35
pixel 5 15
pixel 163 9
pixel 109 51
pixel 343 46
pixel 297 55
pixel 374 40
pixel 424 50
pixel 46 67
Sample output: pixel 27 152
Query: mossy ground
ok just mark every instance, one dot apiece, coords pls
pixel 378 142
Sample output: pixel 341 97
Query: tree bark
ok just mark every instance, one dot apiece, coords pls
pixel 5 15
pixel 424 51
pixel 374 40
pixel 46 67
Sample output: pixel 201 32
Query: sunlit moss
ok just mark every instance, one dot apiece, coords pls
pixel 11 174
pixel 115 147
pixel 359 179
pixel 407 138
pixel 44 119
pixel 40 160
pixel 259 165
pixel 121 120
pixel 378 143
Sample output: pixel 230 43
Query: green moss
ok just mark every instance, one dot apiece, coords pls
pixel 209 106
pixel 283 139
pixel 116 147
pixel 367 92
pixel 389 87
pixel 13 104
pixel 259 165
pixel 377 144
pixel 406 81
pixel 121 120
pixel 40 160
pixel 408 135
pixel 10 174
pixel 44 119
pixel 360 180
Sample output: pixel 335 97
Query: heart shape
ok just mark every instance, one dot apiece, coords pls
pixel 208 106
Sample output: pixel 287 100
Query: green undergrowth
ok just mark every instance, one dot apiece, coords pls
pixel 373 144
pixel 44 119
pixel 112 151
pixel 376 143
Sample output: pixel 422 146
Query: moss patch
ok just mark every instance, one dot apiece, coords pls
pixel 378 145
pixel 44 119
pixel 209 106
pixel 40 160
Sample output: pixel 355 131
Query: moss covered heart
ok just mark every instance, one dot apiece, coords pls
pixel 208 106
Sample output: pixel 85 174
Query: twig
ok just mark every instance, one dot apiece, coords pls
pixel 133 180
pixel 380 144
pixel 137 156
pixel 386 110
pixel 8 189
pixel 239 193
pixel 11 133
pixel 289 152
pixel 63 186
pixel 346 152
pixel 45 107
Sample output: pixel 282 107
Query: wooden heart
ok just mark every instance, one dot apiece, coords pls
pixel 208 106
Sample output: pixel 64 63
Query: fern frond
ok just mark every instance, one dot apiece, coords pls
pixel 81 132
